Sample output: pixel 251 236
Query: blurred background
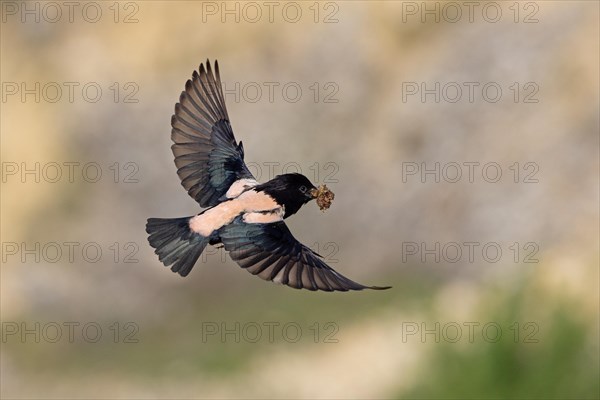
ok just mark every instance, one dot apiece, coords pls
pixel 461 141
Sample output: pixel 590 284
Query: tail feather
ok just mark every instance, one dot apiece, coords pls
pixel 175 243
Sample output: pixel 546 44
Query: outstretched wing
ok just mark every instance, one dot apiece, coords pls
pixel 271 252
pixel 208 158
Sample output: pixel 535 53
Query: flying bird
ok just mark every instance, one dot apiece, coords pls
pixel 242 215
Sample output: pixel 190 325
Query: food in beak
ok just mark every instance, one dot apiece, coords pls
pixel 324 197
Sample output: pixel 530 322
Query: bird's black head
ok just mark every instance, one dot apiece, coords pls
pixel 289 190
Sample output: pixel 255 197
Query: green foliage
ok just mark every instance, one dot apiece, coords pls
pixel 562 364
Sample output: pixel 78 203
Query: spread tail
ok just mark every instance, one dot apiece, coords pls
pixel 175 243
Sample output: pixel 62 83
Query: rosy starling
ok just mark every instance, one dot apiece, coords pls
pixel 242 215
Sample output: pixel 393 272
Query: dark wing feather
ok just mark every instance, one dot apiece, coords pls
pixel 271 252
pixel 207 157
